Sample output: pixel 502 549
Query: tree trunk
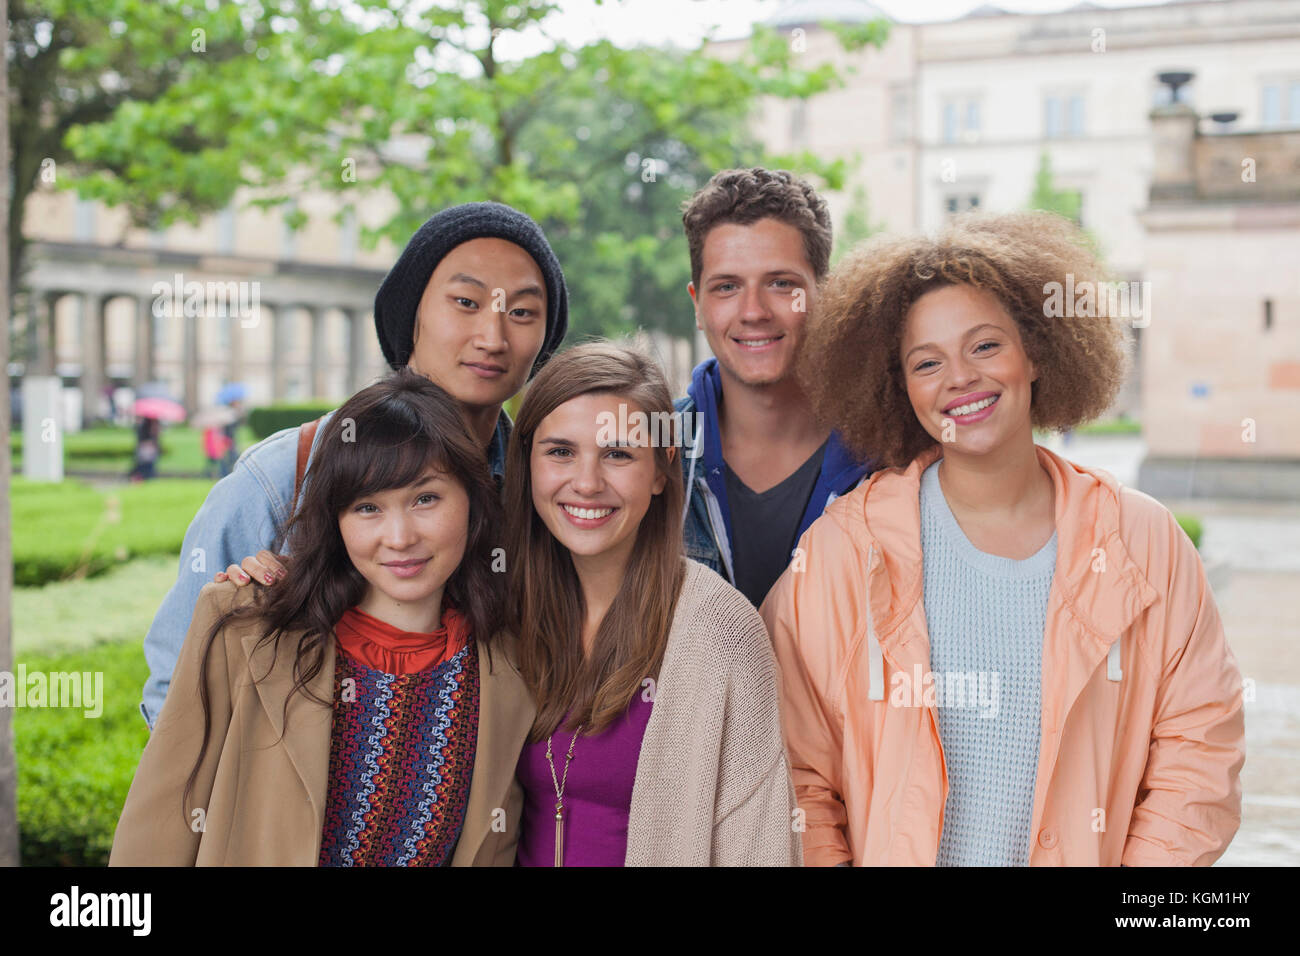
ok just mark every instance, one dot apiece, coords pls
pixel 8 769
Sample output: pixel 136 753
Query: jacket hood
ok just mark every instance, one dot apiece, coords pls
pixel 840 470
pixel 1103 586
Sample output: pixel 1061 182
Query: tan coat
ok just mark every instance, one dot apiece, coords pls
pixel 262 787
pixel 713 783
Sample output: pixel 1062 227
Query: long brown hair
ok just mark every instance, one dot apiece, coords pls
pixel 385 436
pixel 547 606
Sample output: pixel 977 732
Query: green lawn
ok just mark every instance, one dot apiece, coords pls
pixel 71 529
pixel 74 615
pixel 112 449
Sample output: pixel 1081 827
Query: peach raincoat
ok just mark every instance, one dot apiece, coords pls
pixel 1142 726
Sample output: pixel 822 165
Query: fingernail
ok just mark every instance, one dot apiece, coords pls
pixel 243 576
pixel 270 579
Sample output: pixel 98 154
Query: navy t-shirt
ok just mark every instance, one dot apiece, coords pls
pixel 764 526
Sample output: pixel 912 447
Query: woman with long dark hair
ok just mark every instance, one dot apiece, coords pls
pixel 367 710
pixel 658 732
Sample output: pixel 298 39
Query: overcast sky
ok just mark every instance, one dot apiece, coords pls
pixel 681 21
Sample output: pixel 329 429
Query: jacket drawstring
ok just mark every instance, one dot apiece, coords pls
pixel 690 479
pixel 875 656
pixel 1113 671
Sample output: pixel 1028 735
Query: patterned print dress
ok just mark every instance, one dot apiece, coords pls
pixel 401 761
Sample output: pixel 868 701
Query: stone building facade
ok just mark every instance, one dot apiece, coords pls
pixel 1221 357
pixel 239 298
pixel 956 115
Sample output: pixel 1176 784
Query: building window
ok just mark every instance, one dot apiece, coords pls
pixel 961 119
pixel 226 230
pixel 348 231
pixel 288 236
pixel 798 122
pixel 960 202
pixel 1063 115
pixel 84 220
pixel 1280 103
pixel 1271 111
pixel 1074 115
pixel 900 114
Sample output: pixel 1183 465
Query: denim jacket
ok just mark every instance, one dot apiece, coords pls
pixel 706 519
pixel 244 512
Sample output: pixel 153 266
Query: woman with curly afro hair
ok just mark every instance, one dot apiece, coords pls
pixel 991 655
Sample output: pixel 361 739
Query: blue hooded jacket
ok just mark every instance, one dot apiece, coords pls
pixel 706 527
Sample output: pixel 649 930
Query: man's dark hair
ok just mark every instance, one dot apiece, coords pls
pixel 744 196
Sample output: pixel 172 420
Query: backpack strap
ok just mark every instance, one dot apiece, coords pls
pixel 306 434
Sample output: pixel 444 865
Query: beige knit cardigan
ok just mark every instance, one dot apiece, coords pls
pixel 713 784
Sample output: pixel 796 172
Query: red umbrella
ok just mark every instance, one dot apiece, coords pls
pixel 163 409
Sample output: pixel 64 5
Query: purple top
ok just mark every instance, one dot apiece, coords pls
pixel 597 797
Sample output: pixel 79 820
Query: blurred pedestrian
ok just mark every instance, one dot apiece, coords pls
pixel 148 449
pixel 216 449
pixel 231 431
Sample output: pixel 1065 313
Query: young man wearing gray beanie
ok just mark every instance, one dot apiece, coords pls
pixel 476 303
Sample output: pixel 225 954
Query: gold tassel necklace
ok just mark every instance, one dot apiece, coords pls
pixel 559 795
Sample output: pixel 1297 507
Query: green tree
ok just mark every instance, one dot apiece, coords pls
pixel 1065 202
pixel 399 98
pixel 77 63
pixel 857 224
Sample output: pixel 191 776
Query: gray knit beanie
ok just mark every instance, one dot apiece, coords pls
pixel 398 297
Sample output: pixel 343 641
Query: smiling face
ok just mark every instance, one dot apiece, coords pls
pixel 963 362
pixel 407 542
pixel 592 495
pixel 756 287
pixel 481 322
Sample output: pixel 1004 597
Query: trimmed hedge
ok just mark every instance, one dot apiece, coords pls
pixel 269 419
pixel 100 441
pixel 65 529
pixel 111 448
pixel 1191 526
pixel 74 771
pixel 1112 426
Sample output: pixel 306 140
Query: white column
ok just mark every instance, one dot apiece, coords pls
pixel 142 367
pixel 42 428
pixel 91 319
pixel 357 322
pixel 318 376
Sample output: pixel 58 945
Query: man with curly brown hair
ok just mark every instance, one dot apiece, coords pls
pixel 762 467
pixel 994 656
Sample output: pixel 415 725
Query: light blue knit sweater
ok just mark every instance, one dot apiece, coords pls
pixel 985 615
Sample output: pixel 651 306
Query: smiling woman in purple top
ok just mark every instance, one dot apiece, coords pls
pixel 658 734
